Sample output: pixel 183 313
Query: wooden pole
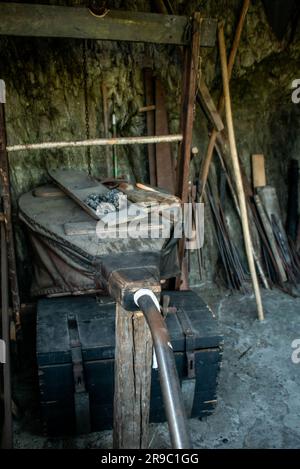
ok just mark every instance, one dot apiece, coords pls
pixel 96 142
pixel 7 431
pixel 204 170
pixel 133 359
pixel 237 172
pixel 6 197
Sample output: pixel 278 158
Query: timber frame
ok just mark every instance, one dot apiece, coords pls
pixel 131 402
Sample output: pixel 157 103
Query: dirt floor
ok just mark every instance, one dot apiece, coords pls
pixel 259 405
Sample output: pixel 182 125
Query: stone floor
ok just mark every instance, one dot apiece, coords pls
pixel 259 404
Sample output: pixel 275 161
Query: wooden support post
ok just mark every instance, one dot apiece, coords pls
pixel 191 64
pixel 133 359
pixel 204 170
pixel 108 152
pixel 163 152
pixel 237 172
pixel 6 197
pixel 191 60
pixel 149 100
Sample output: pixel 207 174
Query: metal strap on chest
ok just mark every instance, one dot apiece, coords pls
pixel 81 396
pixel 187 329
pixel 188 386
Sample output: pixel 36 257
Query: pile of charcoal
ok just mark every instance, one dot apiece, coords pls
pixel 105 203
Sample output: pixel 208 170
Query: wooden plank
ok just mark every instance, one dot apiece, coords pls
pixel 146 198
pixel 47 190
pixel 69 22
pixel 80 228
pixel 258 171
pixel 164 160
pixel 271 238
pixel 133 358
pixel 209 106
pixel 90 228
pixel 149 100
pixel 78 185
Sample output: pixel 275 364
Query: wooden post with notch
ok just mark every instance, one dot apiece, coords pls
pixel 133 358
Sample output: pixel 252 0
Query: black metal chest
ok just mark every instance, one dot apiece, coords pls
pixel 195 339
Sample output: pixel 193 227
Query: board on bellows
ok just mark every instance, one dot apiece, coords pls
pixel 78 185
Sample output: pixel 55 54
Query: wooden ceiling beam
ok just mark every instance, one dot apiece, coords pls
pixel 75 22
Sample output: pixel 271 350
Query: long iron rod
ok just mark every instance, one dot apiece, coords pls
pixel 96 142
pixel 168 376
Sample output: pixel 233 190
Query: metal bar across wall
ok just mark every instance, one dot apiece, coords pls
pixel 19 19
pixel 96 142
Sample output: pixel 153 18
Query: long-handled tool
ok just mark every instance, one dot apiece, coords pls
pixel 237 171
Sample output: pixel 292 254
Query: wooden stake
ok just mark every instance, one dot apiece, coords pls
pixel 133 358
pixel 207 160
pixel 237 172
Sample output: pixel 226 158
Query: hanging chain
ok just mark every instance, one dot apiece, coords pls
pixel 86 107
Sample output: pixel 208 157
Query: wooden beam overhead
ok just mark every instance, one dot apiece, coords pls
pixel 69 22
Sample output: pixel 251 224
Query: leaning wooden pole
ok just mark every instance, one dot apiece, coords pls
pixel 204 170
pixel 7 430
pixel 237 172
pixel 7 209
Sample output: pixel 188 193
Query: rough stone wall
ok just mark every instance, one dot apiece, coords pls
pixel 45 101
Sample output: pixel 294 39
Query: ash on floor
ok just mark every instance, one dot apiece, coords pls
pixel 259 405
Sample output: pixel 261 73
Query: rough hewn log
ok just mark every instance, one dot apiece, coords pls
pixel 133 359
pixel 57 21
